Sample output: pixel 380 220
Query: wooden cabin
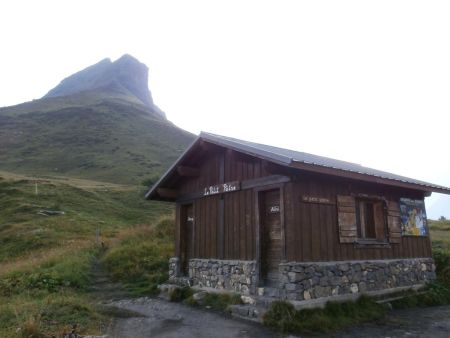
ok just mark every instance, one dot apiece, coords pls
pixel 258 219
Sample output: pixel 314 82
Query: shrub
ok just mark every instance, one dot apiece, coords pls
pixel 280 316
pixel 31 328
pixel 442 260
pixel 180 294
pixel 221 301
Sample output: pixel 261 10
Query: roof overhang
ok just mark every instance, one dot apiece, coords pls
pixel 153 191
pixel 368 178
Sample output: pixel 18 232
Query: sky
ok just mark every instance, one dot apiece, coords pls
pixel 362 81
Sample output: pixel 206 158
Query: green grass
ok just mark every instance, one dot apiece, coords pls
pixel 49 314
pixel 221 301
pixel 23 231
pixel 283 317
pixel 140 260
pixel 46 260
pixel 47 298
pixel 182 294
pixel 440 233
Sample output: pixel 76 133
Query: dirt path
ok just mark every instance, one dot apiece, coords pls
pixel 164 319
pixel 102 288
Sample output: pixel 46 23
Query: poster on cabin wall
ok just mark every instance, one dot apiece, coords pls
pixel 413 217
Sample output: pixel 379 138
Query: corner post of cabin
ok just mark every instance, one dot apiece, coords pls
pixel 221 214
pixel 257 237
pixel 175 269
pixel 283 226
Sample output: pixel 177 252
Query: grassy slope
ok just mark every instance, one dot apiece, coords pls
pixel 440 234
pixel 89 135
pixel 45 261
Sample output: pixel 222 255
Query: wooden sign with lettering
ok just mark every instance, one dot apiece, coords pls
pixel 274 209
pixel 222 188
pixel 315 199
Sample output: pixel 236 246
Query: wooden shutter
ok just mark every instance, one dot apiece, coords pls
pixel 395 231
pixel 346 206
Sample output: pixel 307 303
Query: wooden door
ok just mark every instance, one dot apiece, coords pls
pixel 187 228
pixel 271 238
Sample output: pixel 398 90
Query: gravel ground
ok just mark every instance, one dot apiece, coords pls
pixel 162 319
pixel 433 322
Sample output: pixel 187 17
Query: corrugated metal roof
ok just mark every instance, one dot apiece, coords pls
pixel 287 157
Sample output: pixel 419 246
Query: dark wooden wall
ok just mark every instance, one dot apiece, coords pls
pixel 311 229
pixel 239 234
pixel 238 207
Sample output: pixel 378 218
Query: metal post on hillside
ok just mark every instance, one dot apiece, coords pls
pixel 97 235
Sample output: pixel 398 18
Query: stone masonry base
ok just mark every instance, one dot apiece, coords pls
pixel 304 281
pixel 299 281
pixel 233 275
pixel 237 276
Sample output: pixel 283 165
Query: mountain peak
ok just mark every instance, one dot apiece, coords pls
pixel 127 57
pixel 125 76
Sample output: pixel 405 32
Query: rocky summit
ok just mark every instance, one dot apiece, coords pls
pixel 100 123
pixel 125 76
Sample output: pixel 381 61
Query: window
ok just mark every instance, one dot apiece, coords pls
pixel 370 218
pixel 369 221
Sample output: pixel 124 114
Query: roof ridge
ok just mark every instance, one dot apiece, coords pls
pixel 231 139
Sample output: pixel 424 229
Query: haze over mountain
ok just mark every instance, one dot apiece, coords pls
pixel 98 123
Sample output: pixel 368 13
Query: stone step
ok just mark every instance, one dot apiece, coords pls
pixel 248 312
pixel 390 297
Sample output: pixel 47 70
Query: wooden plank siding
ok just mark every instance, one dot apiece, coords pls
pixel 238 227
pixel 311 229
pixel 314 227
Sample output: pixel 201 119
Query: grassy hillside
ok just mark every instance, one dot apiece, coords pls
pixel 46 260
pixel 93 135
pixel 440 234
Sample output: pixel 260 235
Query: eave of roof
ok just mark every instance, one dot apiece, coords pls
pixel 304 161
pixel 172 168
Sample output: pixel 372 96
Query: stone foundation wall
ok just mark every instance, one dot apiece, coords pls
pixel 303 281
pixel 175 276
pixel 237 276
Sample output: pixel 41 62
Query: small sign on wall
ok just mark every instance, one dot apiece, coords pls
pixel 221 188
pixel 315 199
pixel 274 209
